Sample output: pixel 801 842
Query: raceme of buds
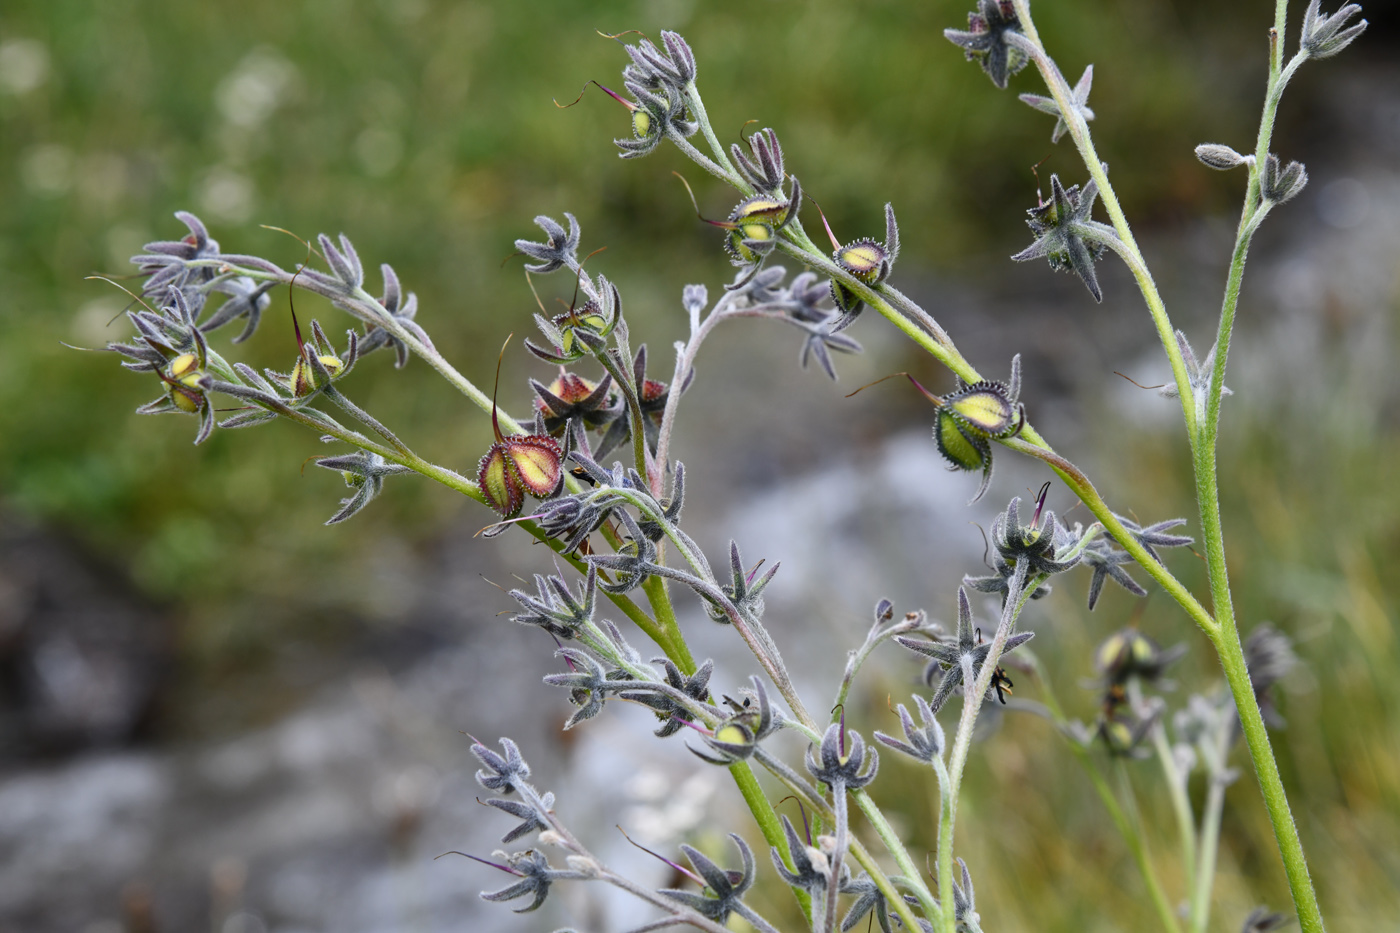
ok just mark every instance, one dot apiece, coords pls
pixel 744 592
pixel 1221 158
pixel 536 876
pixel 589 685
pixel 1079 100
pixel 675 66
pixel 1324 36
pixel 1066 233
pixel 246 298
pixel 403 310
pixel 1038 543
pixel 985 40
pixel 317 364
pixel 1105 560
pixel 557 252
pixel 673 714
pixel 527 814
pixel 1000 581
pixel 813 869
pixel 1198 376
pixel 765 170
pixel 658 82
pixel 166 263
pixel 840 767
pixel 737 736
pixel 869 899
pixel 502 772
pixel 1155 535
pixel 1280 184
pixel 554 607
pixel 171 346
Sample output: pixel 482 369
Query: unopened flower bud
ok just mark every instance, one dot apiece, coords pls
pixel 1219 157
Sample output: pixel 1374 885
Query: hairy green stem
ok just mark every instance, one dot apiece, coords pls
pixel 1223 634
pixel 1019 589
pixel 1227 639
pixel 767 818
pixel 1079 131
pixel 673 643
pixel 896 848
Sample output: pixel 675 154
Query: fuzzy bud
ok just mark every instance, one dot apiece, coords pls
pixel 1219 157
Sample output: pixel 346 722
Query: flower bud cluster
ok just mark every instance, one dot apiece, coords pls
pixel 660 83
pixel 170 345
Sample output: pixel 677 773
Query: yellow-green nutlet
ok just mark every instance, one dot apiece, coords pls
pixel 867 260
pixel 971 417
pixel 754 224
pixel 182 383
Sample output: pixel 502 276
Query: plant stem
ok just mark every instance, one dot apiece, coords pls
pixel 1115 812
pixel 673 643
pixel 1079 132
pixel 767 819
pixel 1181 801
pixel 1204 880
pixel 840 823
pixel 892 842
pixel 1227 639
pixel 1129 826
pixel 1019 589
pixel 697 108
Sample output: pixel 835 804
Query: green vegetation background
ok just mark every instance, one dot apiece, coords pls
pixel 425 130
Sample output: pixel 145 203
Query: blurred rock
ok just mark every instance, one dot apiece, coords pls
pixel 81 653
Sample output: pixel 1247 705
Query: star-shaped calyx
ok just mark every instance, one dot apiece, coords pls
pixel 1066 234
pixel 985 39
pixel 961 660
pixel 1079 100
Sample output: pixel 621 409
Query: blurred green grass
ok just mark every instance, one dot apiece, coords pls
pixel 425 131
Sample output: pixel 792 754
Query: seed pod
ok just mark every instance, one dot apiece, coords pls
pixel 984 407
pixel 515 465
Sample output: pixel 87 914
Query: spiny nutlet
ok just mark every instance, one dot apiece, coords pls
pixel 517 464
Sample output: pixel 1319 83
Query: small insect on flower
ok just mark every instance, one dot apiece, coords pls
pixel 531 463
pixel 971 417
pixel 1001 684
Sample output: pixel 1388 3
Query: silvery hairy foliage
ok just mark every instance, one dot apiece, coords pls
pixel 591 472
